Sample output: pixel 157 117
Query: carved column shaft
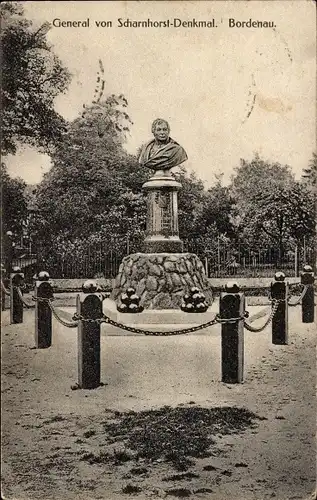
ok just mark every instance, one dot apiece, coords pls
pixel 162 217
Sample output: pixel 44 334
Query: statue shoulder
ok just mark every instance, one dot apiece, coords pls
pixel 175 143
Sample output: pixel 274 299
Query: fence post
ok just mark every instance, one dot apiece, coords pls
pixel 43 314
pixel 232 305
pixel 89 307
pixel 308 306
pixel 3 292
pixel 16 304
pixel 206 267
pixel 296 262
pixel 279 291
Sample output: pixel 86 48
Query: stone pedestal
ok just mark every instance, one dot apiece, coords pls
pixel 161 279
pixel 162 214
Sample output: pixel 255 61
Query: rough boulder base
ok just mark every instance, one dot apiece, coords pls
pixel 161 279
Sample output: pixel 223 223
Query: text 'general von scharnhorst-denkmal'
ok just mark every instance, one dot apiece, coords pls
pixel 167 23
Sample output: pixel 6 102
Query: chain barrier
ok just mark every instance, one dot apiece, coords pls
pixel 156 333
pixel 140 331
pixel 4 289
pixel 59 319
pixel 216 320
pixel 28 306
pixel 255 329
pixel 300 298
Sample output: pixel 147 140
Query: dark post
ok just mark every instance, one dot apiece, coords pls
pixel 16 304
pixel 43 314
pixel 232 305
pixel 279 291
pixel 89 306
pixel 308 306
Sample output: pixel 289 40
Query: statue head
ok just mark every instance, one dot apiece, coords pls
pixel 160 129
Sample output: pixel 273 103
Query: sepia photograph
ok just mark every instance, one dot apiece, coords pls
pixel 158 249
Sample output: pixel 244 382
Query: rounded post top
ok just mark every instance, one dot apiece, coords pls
pixel 90 286
pixel 279 276
pixel 232 287
pixel 307 269
pixel 43 276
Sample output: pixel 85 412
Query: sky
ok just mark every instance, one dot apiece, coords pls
pixel 227 92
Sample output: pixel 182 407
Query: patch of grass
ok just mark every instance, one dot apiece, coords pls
pixel 122 456
pixel 209 467
pixel 118 457
pixel 92 458
pixel 131 489
pixel 56 418
pixel 138 470
pixel 181 477
pixel 176 435
pixel 179 492
pixel 89 433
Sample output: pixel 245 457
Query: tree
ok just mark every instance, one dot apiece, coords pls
pixel 284 215
pixel 94 186
pixel 253 178
pixel 309 177
pixel 218 210
pixel 32 76
pixel 274 209
pixel 190 199
pixel 14 207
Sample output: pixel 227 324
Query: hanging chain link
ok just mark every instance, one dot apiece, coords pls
pixel 275 304
pixel 141 331
pixel 28 306
pixel 4 289
pixel 300 298
pixel 68 324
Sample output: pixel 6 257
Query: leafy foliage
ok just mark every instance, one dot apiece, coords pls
pixel 93 190
pixel 309 176
pixel 273 208
pixel 32 76
pixel 14 207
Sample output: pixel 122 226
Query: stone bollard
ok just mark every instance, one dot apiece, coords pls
pixel 308 306
pixel 279 291
pixel 232 305
pixel 43 314
pixel 89 306
pixel 16 304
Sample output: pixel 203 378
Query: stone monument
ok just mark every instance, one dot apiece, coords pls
pixel 161 154
pixel 162 273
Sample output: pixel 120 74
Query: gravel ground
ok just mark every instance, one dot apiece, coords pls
pixel 55 442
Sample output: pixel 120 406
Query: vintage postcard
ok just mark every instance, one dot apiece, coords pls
pixel 158 254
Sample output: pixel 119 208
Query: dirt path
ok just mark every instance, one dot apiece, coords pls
pixel 47 428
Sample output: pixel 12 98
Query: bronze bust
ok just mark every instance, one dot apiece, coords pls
pixel 162 152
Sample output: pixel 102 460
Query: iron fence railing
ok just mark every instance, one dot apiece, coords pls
pixel 103 259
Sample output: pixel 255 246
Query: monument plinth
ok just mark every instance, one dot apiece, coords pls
pixel 161 279
pixel 162 214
